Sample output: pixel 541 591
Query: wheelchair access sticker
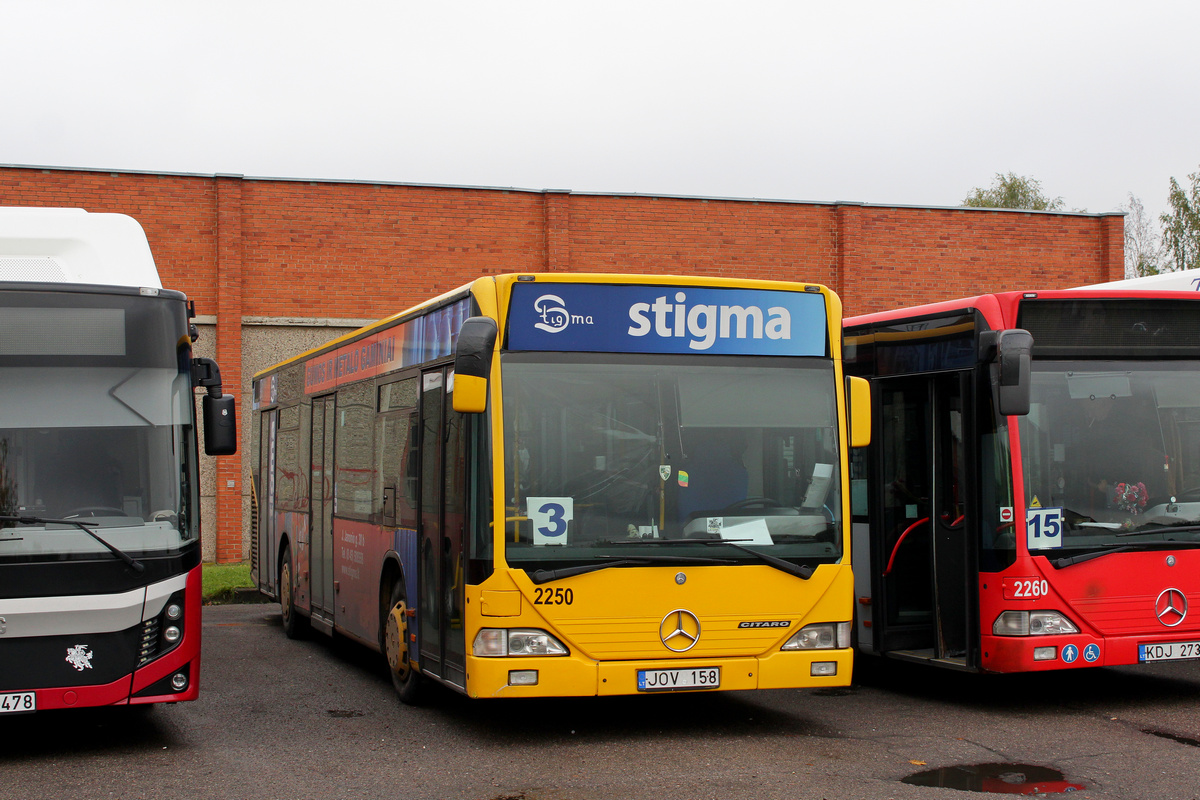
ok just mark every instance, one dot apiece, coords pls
pixel 1043 528
pixel 1071 653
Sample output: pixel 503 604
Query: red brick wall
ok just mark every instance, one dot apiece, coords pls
pixel 363 250
pixel 270 248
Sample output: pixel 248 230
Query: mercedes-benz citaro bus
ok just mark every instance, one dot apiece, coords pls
pixel 99 485
pixel 570 484
pixel 1030 499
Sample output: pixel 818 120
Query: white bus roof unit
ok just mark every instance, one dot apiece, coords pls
pixel 71 245
pixel 1185 280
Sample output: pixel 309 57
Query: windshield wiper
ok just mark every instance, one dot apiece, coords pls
pixel 83 526
pixel 1059 563
pixel 1165 529
pixel 802 571
pixel 547 575
pixel 1168 544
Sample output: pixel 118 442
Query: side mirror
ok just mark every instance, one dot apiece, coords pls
pixel 473 364
pixel 220 425
pixel 858 395
pixel 216 409
pixel 1011 356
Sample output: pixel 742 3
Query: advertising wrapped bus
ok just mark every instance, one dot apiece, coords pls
pixel 551 485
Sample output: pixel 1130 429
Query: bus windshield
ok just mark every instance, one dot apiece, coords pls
pixel 610 456
pixel 107 446
pixel 1116 445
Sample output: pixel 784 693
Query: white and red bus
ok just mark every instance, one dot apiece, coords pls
pixel 1030 499
pixel 99 485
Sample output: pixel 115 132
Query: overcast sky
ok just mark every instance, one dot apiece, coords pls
pixel 879 102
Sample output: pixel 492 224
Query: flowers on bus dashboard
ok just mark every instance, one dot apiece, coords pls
pixel 1130 497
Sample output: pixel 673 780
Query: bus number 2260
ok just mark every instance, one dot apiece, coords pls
pixel 553 597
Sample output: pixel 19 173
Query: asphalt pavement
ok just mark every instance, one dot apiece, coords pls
pixel 317 718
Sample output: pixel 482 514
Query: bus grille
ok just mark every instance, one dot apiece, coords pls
pixel 638 638
pixel 1128 615
pixel 148 648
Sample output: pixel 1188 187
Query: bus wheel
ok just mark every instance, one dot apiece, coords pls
pixel 408 683
pixel 293 623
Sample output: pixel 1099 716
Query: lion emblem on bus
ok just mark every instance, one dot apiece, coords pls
pixel 79 657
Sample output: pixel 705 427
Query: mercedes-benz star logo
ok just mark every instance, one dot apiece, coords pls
pixel 1171 607
pixel 679 630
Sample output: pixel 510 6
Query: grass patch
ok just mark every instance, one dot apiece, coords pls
pixel 221 582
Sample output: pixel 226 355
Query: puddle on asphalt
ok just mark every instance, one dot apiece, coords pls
pixel 996 778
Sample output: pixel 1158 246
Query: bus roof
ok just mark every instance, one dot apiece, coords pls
pixel 1185 280
pixel 72 245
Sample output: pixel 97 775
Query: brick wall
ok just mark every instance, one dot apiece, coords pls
pixel 253 249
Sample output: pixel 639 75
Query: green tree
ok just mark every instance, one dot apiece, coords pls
pixel 1181 225
pixel 1143 250
pixel 1013 191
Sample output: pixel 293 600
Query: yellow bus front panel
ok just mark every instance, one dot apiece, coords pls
pixel 729 626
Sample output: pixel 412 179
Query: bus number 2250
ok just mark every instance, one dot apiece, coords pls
pixel 553 597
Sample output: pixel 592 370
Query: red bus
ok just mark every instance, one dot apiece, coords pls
pixel 99 479
pixel 1030 499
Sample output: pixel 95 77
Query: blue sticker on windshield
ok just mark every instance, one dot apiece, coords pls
pixel 666 319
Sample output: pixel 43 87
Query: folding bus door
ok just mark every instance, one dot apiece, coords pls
pixel 442 525
pixel 320 545
pixel 265 557
pixel 921 544
pixel 954 519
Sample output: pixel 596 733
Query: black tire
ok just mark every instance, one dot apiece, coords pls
pixel 411 688
pixel 294 625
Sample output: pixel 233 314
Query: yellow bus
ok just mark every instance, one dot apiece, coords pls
pixel 570 485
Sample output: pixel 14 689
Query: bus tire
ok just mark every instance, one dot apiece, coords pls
pixel 294 625
pixel 406 680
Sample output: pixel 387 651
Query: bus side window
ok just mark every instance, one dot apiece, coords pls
pixel 287 459
pixel 354 452
pixel 396 453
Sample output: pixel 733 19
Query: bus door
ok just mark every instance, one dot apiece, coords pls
pixel 320 530
pixel 922 546
pixel 265 556
pixel 442 525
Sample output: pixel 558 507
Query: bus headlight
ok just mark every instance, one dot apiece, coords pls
pixel 1032 623
pixel 163 632
pixel 820 636
pixel 500 642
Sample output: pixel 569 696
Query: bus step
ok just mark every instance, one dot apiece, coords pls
pixel 927 656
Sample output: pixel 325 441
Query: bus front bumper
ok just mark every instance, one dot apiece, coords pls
pixel 571 676
pixel 1072 651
